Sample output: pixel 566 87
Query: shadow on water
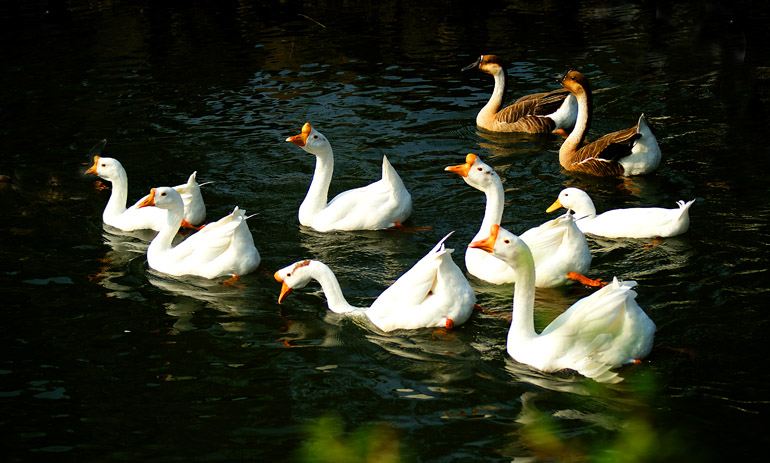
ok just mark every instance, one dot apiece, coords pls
pixel 107 360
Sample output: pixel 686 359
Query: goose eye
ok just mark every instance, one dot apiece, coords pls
pixel 315 136
pixel 104 165
pixel 163 194
pixel 288 275
pixel 479 169
pixel 507 241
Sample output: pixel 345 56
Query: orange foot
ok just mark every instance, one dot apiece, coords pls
pixel 186 224
pixel 584 280
pixel 100 186
pixel 233 282
pixel 655 241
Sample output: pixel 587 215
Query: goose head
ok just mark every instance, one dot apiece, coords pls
pixel 503 244
pixel 295 276
pixel 475 172
pixel 574 199
pixel 311 140
pixel 164 198
pixel 491 64
pixel 575 82
pixel 107 168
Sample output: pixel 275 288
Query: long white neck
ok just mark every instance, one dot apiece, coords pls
pixel 577 136
pixel 493 211
pixel 496 100
pixel 317 195
pixel 162 241
pixel 331 288
pixel 117 202
pixel 523 319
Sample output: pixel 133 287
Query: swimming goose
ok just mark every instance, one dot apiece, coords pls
pixel 558 246
pixel 633 151
pixel 133 218
pixel 602 331
pixel 634 222
pixel 433 293
pixel 535 113
pixel 224 247
pixel 382 204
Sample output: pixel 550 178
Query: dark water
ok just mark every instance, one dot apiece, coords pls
pixel 105 360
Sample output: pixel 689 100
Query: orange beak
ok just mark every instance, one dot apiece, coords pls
pixel 556 205
pixel 488 243
pixel 285 289
pixel 463 169
pixel 149 200
pixel 301 139
pixel 92 169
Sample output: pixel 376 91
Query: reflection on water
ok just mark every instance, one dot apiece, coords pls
pixel 98 345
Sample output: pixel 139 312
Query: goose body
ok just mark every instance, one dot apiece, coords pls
pixel 558 246
pixel 379 205
pixel 224 247
pixel 634 222
pixel 600 332
pixel 433 293
pixel 633 151
pixel 117 215
pixel 536 113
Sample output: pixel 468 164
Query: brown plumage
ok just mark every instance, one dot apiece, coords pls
pixel 631 151
pixel 536 113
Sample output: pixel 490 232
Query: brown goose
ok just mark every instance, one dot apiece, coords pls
pixel 536 113
pixel 633 151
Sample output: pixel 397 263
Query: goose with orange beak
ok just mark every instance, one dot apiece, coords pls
pixel 559 248
pixel 597 334
pixel 380 205
pixel 224 247
pixel 117 215
pixel 433 293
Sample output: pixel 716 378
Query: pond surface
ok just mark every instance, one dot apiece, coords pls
pixel 105 360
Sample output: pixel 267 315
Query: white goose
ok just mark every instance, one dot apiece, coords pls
pixel 133 218
pixel 224 247
pixel 433 293
pixel 558 246
pixel 602 331
pixel 382 204
pixel 634 222
pixel 535 113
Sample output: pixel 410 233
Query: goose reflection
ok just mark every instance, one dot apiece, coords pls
pixel 122 265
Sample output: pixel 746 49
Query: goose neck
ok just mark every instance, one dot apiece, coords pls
pixel 523 319
pixel 493 211
pixel 577 137
pixel 163 240
pixel 331 288
pixel 116 205
pixel 496 100
pixel 318 192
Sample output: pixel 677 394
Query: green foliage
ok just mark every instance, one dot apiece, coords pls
pixel 327 442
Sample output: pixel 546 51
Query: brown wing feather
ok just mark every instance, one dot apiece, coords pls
pixel 599 167
pixel 601 157
pixel 536 104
